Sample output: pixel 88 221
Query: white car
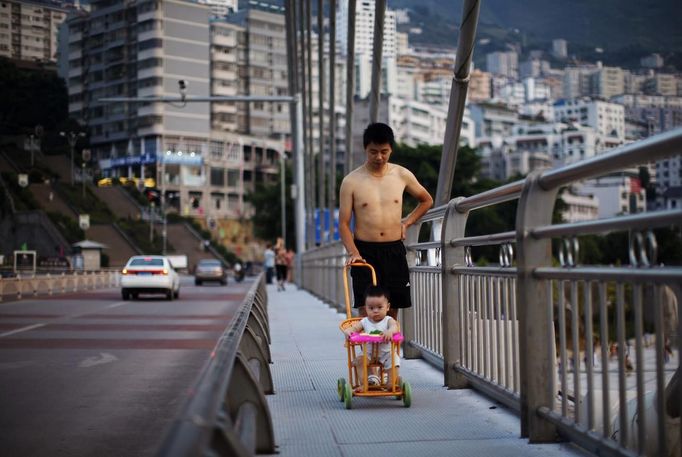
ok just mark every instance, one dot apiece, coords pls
pixel 149 274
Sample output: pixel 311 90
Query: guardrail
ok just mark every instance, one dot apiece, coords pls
pixel 493 327
pixel 50 284
pixel 226 412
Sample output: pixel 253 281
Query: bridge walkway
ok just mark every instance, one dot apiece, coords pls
pixel 309 420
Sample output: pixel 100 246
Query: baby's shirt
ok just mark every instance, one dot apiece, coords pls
pixel 368 326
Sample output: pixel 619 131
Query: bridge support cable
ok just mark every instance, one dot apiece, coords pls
pixel 349 164
pixel 377 51
pixel 321 196
pixel 332 117
pixel 458 95
pixel 311 154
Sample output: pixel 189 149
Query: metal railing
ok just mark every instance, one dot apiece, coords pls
pixel 226 412
pixel 493 327
pixel 49 284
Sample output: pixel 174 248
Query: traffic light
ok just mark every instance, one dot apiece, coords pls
pixel 153 196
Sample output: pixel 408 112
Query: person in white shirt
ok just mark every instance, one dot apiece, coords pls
pixel 377 305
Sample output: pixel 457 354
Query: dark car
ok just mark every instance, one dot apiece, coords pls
pixel 210 270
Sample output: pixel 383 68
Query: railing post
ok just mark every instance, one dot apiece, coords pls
pixel 536 328
pixel 454 224
pixel 407 323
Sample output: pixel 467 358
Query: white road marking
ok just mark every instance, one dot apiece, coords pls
pixel 22 329
pixel 13 365
pixel 117 304
pixel 101 359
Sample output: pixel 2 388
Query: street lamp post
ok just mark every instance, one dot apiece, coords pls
pixel 85 158
pixel 282 186
pixel 72 138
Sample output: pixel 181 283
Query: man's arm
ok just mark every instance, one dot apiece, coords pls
pixel 345 212
pixel 425 202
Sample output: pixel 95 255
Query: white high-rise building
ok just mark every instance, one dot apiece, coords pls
pixel 364 29
pixel 221 8
pixel 607 118
pixel 28 30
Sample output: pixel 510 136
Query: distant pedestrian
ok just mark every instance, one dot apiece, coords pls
pixel 269 263
pixel 290 265
pixel 281 266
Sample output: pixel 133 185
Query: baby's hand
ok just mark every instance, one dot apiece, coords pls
pixel 388 335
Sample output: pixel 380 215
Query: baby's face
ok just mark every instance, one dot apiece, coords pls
pixel 376 308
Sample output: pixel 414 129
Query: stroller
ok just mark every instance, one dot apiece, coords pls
pixel 360 347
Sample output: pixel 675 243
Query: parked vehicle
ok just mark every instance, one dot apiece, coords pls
pixel 179 262
pixel 210 270
pixel 152 274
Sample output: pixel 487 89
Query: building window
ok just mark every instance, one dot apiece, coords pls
pixel 217 177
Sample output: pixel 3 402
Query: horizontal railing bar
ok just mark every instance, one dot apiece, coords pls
pixel 484 271
pixel 664 274
pixel 500 194
pixel 434 214
pixel 426 269
pixel 648 150
pixel 587 439
pixel 631 222
pixel 484 240
pixel 499 393
pixel 424 245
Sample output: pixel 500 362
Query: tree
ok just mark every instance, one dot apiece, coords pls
pixel 266 201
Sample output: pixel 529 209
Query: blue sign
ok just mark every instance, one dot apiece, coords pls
pixel 182 159
pixel 323 226
pixel 133 160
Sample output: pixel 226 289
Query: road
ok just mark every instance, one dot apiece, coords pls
pixel 89 374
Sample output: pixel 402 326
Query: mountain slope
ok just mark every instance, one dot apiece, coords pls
pixel 609 24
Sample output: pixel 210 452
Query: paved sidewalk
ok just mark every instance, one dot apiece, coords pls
pixel 309 420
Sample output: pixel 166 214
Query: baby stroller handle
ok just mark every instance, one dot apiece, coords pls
pixel 345 281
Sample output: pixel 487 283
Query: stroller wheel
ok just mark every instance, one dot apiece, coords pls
pixel 347 396
pixel 340 387
pixel 407 394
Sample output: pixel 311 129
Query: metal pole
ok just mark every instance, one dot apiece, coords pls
pixel 311 156
pixel 321 200
pixel 151 222
pixel 458 95
pixel 72 144
pixel 300 184
pixel 304 119
pixel 164 233
pixel 332 117
pixel 83 179
pixel 378 47
pixel 282 178
pixel 32 147
pixel 350 87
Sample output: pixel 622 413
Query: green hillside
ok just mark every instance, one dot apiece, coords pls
pixel 644 25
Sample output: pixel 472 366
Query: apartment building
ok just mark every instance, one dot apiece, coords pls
pixel 617 194
pixel 143 49
pixel 503 63
pixel 606 118
pixel 607 82
pixel 364 29
pixel 29 29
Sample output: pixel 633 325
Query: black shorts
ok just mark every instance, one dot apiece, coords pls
pixel 281 272
pixel 393 274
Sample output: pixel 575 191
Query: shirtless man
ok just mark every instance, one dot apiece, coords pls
pixel 373 193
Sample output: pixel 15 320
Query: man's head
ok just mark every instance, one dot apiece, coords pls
pixel 379 141
pixel 376 303
pixel 378 133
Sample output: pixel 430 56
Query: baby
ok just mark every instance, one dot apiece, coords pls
pixel 377 306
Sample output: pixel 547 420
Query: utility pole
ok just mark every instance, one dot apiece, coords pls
pixel 72 138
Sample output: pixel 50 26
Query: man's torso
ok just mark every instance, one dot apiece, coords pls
pixel 377 204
